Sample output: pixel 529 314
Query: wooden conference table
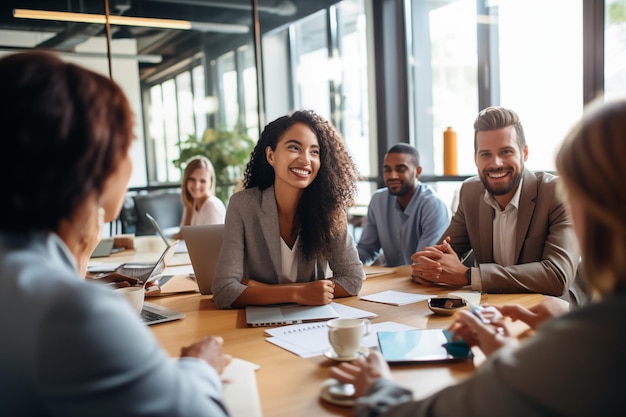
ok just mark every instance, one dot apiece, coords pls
pixel 288 384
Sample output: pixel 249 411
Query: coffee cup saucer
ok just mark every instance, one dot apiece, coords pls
pixel 362 351
pixel 337 393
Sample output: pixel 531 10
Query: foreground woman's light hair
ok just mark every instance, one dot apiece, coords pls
pixel 592 164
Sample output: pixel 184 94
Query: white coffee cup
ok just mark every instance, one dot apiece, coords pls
pixel 134 295
pixel 345 335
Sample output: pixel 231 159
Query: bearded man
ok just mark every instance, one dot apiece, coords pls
pixel 403 217
pixel 515 222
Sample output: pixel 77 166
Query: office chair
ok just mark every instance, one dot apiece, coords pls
pixel 165 207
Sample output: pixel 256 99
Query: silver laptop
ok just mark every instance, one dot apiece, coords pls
pixel 181 248
pixel 155 314
pixel 147 271
pixel 203 245
pixel 288 314
pixel 104 248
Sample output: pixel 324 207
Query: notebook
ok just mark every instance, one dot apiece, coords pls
pixel 203 245
pixel 155 314
pixel 421 346
pixel 287 314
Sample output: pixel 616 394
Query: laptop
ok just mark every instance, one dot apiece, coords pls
pixel 155 314
pixel 104 248
pixel 257 316
pixel 203 245
pixel 182 247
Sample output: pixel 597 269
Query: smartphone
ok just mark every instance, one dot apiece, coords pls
pixel 448 303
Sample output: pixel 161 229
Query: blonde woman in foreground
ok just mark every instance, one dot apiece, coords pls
pixel 575 364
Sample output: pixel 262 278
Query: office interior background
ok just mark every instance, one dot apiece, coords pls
pixel 383 71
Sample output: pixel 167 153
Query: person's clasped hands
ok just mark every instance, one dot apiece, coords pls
pixel 438 265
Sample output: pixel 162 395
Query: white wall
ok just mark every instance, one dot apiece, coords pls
pixel 125 73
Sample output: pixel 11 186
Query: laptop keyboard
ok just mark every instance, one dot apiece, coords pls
pixel 150 316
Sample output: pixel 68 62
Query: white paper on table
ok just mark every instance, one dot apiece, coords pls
pixel 472 297
pixel 178 270
pixel 346 312
pixel 397 298
pixel 240 382
pixel 96 267
pixel 311 339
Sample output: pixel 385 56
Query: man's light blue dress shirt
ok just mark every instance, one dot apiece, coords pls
pixel 400 233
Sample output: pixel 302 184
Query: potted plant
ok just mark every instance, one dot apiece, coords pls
pixel 229 152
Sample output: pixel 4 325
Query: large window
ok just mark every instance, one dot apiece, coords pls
pixel 320 63
pixel 615 48
pixel 177 109
pixel 522 54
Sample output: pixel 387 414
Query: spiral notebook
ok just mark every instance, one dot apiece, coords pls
pixel 311 339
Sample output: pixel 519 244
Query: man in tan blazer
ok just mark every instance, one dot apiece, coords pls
pixel 514 221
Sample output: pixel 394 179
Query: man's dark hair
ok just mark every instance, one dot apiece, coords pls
pixel 495 117
pixel 406 149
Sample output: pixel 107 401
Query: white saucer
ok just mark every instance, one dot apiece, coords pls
pixel 361 351
pixel 326 394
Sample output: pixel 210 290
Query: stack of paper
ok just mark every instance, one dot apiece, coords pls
pixel 239 382
pixel 396 298
pixel 311 339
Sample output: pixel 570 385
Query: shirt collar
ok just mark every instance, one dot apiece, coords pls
pixel 412 202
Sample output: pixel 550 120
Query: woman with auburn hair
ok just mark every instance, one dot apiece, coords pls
pixel 72 348
pixel 575 363
pixel 286 238
pixel 201 206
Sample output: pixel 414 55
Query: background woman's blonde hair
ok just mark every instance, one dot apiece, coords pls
pixel 194 163
pixel 592 165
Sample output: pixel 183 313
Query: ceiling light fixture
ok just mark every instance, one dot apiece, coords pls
pixel 101 19
pixel 130 21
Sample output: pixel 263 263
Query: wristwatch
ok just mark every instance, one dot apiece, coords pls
pixel 468 276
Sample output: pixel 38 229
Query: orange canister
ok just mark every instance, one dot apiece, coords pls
pixel 449 152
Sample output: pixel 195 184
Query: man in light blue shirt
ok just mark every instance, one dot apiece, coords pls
pixel 404 217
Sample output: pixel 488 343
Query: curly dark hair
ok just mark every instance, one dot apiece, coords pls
pixel 320 215
pixel 64 130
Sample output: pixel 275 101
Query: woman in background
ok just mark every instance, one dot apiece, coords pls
pixel 71 348
pixel 574 365
pixel 201 206
pixel 285 237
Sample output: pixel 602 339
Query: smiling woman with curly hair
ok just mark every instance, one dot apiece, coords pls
pixel 285 238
